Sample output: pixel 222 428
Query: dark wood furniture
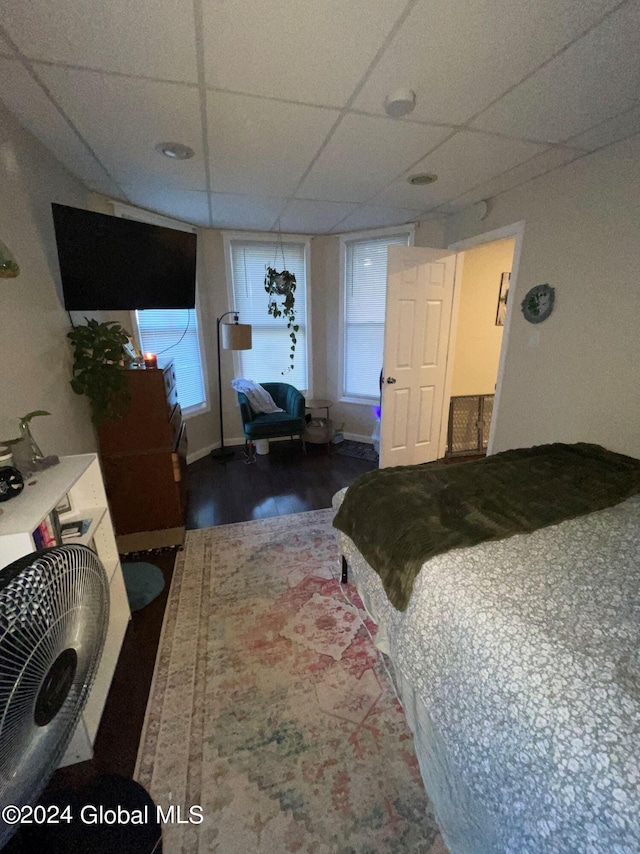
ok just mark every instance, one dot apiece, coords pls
pixel 144 457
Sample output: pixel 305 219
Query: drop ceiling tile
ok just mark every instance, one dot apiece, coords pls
pixel 626 148
pixel 246 212
pixel 123 119
pixel 5 47
pixel 154 38
pixel 310 52
pixel 262 147
pixel 611 130
pixel 372 216
pixel 550 159
pixel 311 217
pixel 447 209
pixel 187 205
pixel 364 154
pixel 461 163
pixel 458 56
pixel 594 79
pixel 27 100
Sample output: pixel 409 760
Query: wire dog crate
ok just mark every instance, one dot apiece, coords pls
pixel 469 423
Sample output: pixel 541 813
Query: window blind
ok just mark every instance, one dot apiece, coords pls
pixel 364 313
pixel 173 333
pixel 269 356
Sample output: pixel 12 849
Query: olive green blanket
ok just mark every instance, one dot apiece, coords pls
pixel 400 517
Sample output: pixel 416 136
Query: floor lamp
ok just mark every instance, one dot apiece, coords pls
pixel 235 336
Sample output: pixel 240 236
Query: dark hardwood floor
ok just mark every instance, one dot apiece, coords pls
pixel 284 481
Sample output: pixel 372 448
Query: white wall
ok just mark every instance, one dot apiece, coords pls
pixel 203 430
pixel 35 355
pixel 214 303
pixel 575 377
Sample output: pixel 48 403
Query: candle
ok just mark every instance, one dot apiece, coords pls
pixel 150 360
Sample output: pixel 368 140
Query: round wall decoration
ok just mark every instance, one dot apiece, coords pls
pixel 538 303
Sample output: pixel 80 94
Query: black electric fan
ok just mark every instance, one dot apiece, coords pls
pixel 54 612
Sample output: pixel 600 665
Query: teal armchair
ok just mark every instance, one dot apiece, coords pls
pixel 270 425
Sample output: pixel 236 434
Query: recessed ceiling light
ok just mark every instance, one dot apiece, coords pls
pixel 400 103
pixel 175 150
pixel 422 179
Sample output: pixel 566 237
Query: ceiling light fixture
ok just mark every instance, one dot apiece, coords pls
pixel 400 103
pixel 481 209
pixel 422 179
pixel 175 150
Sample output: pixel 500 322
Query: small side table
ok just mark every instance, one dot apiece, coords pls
pixel 319 430
pixel 319 403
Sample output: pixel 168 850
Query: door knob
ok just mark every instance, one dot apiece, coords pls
pixel 391 380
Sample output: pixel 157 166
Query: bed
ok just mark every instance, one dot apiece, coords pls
pixel 517 662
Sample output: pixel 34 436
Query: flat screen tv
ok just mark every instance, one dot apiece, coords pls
pixel 114 264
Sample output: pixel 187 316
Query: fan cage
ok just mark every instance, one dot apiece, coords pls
pixel 50 601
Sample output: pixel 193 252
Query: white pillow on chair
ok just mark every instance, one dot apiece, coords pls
pixel 259 398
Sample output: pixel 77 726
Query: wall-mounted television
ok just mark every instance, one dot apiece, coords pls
pixel 113 264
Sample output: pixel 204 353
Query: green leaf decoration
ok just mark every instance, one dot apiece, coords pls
pixel 98 368
pixel 27 418
pixel 282 286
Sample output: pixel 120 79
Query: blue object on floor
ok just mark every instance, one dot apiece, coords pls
pixel 143 582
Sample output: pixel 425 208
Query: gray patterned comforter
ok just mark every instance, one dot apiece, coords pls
pixel 526 654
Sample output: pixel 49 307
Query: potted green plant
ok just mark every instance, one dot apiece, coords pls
pixel 283 285
pixel 99 358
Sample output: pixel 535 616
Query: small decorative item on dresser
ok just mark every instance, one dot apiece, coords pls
pixel 11 483
pixel 33 449
pixel 150 360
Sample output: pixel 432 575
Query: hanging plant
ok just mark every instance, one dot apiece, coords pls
pixel 283 285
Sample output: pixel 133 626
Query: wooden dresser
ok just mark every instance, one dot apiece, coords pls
pixel 144 458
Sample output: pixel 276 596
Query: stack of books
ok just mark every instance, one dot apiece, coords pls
pixel 70 531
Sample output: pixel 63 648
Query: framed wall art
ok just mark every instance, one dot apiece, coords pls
pixel 501 312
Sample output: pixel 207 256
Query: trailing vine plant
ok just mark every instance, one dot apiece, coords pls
pixel 283 285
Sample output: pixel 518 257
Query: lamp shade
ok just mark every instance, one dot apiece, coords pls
pixel 236 336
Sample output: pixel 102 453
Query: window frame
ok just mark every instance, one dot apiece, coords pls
pixel 230 237
pixel 355 237
pixel 126 212
pixel 196 408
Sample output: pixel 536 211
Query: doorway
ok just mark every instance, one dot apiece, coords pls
pixel 509 236
pixel 476 341
pixel 426 319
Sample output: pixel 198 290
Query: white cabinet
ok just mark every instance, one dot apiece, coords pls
pixel 80 479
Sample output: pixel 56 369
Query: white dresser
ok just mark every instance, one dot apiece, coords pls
pixel 79 478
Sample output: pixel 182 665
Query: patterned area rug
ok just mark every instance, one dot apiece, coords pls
pixel 362 450
pixel 272 709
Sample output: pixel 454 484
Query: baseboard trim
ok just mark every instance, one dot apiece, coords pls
pixel 148 540
pixel 203 452
pixel 235 440
pixel 356 437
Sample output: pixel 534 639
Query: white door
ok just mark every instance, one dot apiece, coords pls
pixel 420 286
